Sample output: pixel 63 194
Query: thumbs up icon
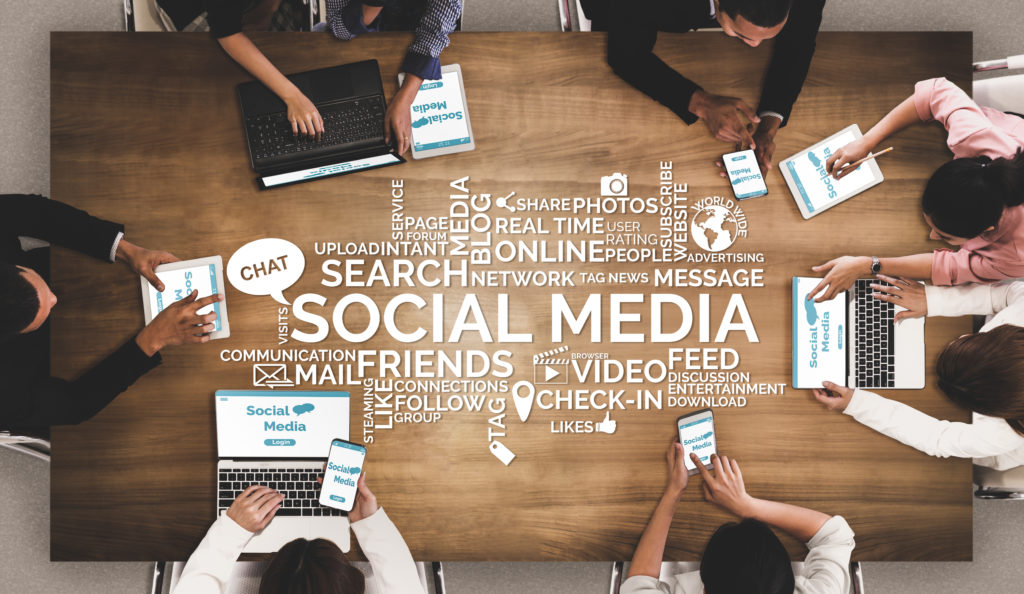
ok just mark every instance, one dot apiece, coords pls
pixel 607 425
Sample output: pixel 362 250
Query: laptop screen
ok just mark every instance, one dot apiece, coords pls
pixel 819 337
pixel 292 177
pixel 279 424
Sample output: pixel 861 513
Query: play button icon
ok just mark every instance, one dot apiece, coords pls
pixel 550 373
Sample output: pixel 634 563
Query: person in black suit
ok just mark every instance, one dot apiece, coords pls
pixel 30 397
pixel 633 28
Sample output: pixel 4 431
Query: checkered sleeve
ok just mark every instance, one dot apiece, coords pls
pixel 438 21
pixel 345 18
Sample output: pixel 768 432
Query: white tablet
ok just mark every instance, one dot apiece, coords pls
pixel 814 190
pixel 440 118
pixel 205 275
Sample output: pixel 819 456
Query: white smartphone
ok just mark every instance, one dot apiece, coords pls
pixel 744 174
pixel 697 434
pixel 344 465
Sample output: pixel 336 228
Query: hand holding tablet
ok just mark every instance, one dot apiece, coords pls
pixel 191 287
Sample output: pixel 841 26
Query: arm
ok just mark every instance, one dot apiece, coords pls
pixel 350 18
pixel 901 116
pixel 968 266
pixel 791 59
pixel 302 114
pixel 651 549
pixel 436 24
pixel 973 299
pixel 840 273
pixel 60 224
pixel 970 133
pixel 393 567
pixel 827 565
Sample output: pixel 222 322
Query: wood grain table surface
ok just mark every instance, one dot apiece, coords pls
pixel 146 130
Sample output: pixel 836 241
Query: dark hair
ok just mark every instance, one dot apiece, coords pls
pixel 311 567
pixel 984 373
pixel 763 13
pixel 746 558
pixel 19 301
pixel 967 195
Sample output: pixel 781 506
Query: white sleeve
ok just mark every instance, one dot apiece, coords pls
pixel 986 436
pixel 393 567
pixel 644 584
pixel 827 565
pixel 209 567
pixel 974 299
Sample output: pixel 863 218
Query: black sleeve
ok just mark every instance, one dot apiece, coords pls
pixel 57 223
pixel 225 17
pixel 791 58
pixel 632 32
pixel 46 400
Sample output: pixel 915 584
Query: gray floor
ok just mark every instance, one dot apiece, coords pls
pixel 24 167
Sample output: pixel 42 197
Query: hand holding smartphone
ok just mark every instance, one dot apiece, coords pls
pixel 344 465
pixel 744 174
pixel 697 434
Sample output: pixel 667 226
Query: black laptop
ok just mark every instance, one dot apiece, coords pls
pixel 350 100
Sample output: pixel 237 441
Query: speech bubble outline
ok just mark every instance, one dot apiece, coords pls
pixel 272 264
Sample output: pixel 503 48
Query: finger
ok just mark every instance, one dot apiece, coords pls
pixel 721 463
pixel 707 492
pixel 264 495
pixel 736 469
pixel 387 133
pixel 748 111
pixel 746 140
pixel 719 164
pixel 208 300
pixel 701 468
pixel 268 503
pixel 270 516
pixel 900 316
pixel 828 294
pixel 886 288
pixel 891 280
pixel 310 128
pixel 197 339
pixel 153 279
pixel 204 329
pixel 248 491
pixel 886 298
pixel 318 122
pixel 189 298
pixel 824 267
pixel 295 125
pixel 817 289
pixel 906 281
pixel 822 396
pixel 829 162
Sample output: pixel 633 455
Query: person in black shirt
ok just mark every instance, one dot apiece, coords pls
pixel 633 28
pixel 29 396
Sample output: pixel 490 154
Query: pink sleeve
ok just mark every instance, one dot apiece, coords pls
pixel 965 266
pixel 970 133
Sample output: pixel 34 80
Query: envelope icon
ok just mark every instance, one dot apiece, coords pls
pixel 270 375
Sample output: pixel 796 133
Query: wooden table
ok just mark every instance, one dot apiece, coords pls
pixel 146 131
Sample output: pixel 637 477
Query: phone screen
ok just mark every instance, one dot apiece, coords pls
pixel 344 465
pixel 744 174
pixel 697 434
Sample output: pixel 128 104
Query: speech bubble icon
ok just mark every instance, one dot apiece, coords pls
pixel 302 409
pixel 266 267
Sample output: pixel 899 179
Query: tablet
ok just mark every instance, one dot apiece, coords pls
pixel 814 190
pixel 205 275
pixel 440 118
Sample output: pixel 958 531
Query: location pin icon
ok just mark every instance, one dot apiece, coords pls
pixel 523 402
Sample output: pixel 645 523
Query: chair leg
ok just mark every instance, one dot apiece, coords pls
pixel 158 577
pixel 438 571
pixel 985 493
pixel 616 581
pixel 24 448
pixel 857 577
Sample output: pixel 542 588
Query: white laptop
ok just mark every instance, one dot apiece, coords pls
pixel 852 340
pixel 281 439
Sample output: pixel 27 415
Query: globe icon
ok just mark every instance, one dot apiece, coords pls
pixel 714 228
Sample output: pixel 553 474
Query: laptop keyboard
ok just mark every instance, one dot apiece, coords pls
pixel 344 123
pixel 874 345
pixel 299 486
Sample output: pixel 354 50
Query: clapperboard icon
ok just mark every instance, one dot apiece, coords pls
pixel 549 370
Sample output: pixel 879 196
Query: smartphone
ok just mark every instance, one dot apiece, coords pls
pixel 344 465
pixel 697 434
pixel 744 175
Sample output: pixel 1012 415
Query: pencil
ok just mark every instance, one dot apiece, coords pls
pixel 857 163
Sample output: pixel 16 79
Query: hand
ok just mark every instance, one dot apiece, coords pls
pixel 724 117
pixel 607 425
pixel 366 502
pixel 764 142
pixel 255 507
pixel 856 150
pixel 304 117
pixel 725 489
pixel 833 396
pixel 398 117
pixel 179 323
pixel 678 476
pixel 840 275
pixel 143 261
pixel 905 293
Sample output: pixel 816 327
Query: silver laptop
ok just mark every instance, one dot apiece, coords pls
pixel 852 340
pixel 280 439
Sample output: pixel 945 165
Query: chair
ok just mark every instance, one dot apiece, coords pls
pixel 675 568
pixel 247 574
pixel 145 15
pixel 37 447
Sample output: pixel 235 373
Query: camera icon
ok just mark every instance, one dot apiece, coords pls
pixel 616 184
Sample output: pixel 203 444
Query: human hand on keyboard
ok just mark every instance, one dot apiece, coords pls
pixel 303 116
pixel 833 396
pixel 255 507
pixel 902 292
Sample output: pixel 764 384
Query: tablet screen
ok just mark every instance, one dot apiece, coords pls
pixel 816 188
pixel 819 334
pixel 179 283
pixel 438 115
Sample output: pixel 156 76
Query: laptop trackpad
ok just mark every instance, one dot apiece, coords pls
pixel 334 529
pixel 280 531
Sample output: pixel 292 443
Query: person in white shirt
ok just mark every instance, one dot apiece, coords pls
pixel 744 556
pixel 982 372
pixel 302 566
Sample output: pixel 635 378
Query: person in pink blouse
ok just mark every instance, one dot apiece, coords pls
pixel 973 202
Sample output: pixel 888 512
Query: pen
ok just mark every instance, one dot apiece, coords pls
pixel 857 163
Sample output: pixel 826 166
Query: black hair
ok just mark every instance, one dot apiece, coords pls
pixel 967 195
pixel 746 558
pixel 19 301
pixel 763 13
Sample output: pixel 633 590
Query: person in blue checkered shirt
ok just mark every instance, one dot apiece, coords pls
pixel 432 21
